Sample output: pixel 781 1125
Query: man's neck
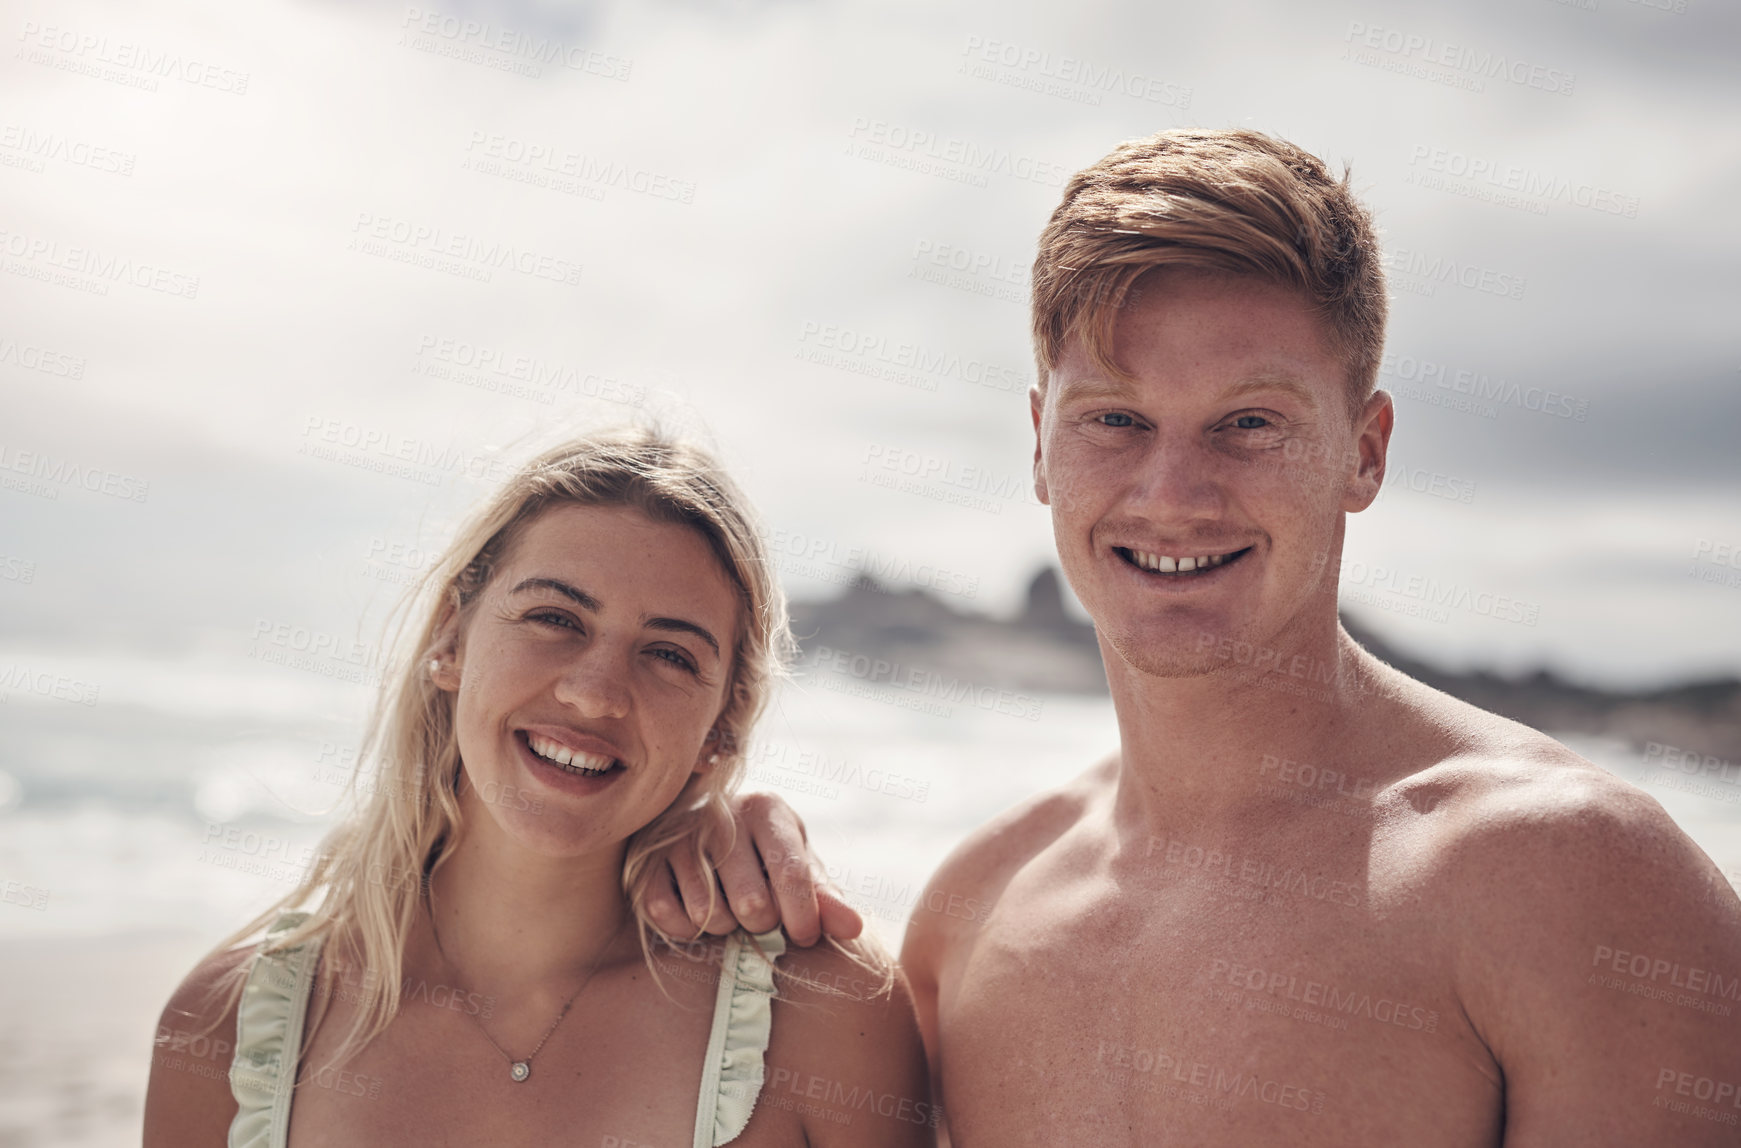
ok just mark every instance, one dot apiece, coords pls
pixel 1198 749
pixel 512 920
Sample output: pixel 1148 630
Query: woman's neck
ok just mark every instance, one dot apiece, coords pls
pixel 511 920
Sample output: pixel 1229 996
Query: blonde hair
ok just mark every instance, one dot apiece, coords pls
pixel 374 866
pixel 1228 200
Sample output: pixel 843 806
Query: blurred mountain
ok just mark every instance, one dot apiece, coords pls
pixel 1043 649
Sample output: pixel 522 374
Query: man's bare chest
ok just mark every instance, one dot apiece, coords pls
pixel 1233 999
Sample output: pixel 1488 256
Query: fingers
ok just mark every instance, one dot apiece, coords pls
pixel 746 887
pixel 778 836
pixel 696 891
pixel 839 920
pixel 665 907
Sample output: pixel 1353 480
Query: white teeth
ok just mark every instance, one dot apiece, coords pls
pixel 575 761
pixel 1165 564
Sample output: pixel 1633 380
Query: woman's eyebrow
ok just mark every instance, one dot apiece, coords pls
pixel 580 597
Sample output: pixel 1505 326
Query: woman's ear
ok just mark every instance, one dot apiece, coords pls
pixel 710 753
pixel 446 658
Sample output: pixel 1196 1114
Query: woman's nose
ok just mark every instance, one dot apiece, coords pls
pixel 595 683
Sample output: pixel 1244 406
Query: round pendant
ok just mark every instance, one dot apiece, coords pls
pixel 520 1071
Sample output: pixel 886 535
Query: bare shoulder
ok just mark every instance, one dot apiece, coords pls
pixel 1571 910
pixel 188 1100
pixel 846 1043
pixel 1517 814
pixel 970 878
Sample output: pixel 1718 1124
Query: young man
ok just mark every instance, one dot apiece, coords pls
pixel 1473 937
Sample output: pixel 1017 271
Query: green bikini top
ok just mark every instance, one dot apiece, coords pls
pixel 274 1004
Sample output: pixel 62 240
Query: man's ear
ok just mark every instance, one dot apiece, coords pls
pixel 446 657
pixel 1371 450
pixel 1037 406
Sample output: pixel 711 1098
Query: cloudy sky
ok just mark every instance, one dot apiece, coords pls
pixel 287 283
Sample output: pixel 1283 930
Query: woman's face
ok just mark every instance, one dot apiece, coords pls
pixel 589 673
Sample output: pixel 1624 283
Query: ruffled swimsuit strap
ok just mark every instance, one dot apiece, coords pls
pixel 269 1024
pixel 743 1012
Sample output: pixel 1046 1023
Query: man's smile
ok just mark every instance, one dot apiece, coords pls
pixel 1176 566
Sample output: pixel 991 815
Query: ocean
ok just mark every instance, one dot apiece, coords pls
pixel 147 808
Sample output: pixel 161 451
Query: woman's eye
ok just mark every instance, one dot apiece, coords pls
pixel 676 658
pixel 1116 419
pixel 552 618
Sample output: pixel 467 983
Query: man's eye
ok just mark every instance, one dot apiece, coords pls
pixel 1250 422
pixel 1117 419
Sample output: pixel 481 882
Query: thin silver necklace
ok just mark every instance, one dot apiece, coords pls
pixel 519 1071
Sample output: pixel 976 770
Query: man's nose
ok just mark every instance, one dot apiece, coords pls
pixel 1179 481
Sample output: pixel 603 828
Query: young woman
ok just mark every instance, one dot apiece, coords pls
pixel 470 960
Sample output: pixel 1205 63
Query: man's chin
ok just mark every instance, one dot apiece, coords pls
pixel 1169 655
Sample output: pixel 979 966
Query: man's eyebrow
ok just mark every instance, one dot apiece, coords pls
pixel 1093 387
pixel 587 602
pixel 579 597
pixel 1279 381
pixel 682 626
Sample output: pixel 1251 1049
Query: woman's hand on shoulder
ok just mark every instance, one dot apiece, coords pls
pixel 769 880
pixel 188 1102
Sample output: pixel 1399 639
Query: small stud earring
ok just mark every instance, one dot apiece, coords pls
pixel 434 665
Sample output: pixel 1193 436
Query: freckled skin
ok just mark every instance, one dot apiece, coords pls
pixel 1184 945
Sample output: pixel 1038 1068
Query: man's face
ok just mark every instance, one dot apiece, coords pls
pixel 1232 444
